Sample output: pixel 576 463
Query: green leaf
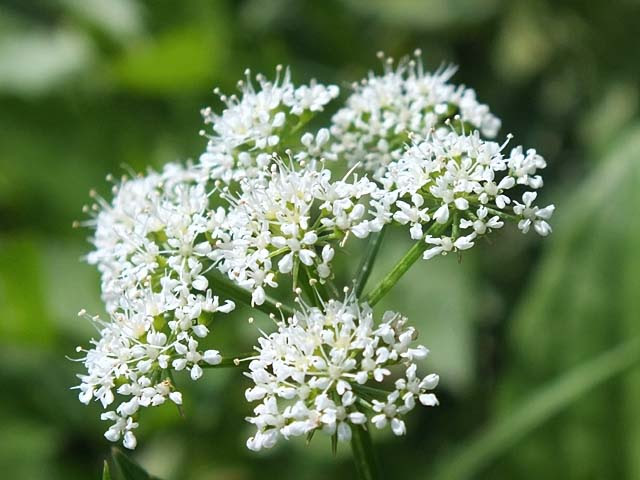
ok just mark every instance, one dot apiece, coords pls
pixel 128 469
pixel 501 435
pixel 582 300
pixel 106 475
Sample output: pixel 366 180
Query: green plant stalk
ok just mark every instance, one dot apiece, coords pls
pixel 497 438
pixel 227 288
pixel 387 283
pixel 366 265
pixel 363 454
pixel 405 263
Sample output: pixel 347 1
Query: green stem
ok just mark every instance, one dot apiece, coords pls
pixel 405 263
pixel 364 457
pixel 364 270
pixel 225 287
pixel 387 283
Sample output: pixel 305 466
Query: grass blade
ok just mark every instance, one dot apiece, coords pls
pixel 497 438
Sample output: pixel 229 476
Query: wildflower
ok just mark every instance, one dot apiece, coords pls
pixel 374 125
pixel 252 126
pixel 287 221
pixel 151 245
pixel 452 188
pixel 327 368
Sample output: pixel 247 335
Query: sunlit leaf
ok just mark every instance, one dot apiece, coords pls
pixel 34 62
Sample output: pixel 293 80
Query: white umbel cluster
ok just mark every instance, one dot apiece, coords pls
pixel 463 187
pixel 253 126
pixel 374 124
pixel 271 204
pixel 152 244
pixel 327 369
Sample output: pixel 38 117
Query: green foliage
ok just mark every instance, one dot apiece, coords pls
pixel 126 468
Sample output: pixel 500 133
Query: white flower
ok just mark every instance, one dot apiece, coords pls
pixel 372 128
pixel 251 127
pixel 532 215
pixel 322 368
pixel 448 182
pixel 286 222
pixel 152 244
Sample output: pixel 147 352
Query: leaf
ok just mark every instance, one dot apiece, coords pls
pixel 583 300
pixel 34 62
pixel 501 435
pixel 173 61
pixel 106 475
pixel 129 470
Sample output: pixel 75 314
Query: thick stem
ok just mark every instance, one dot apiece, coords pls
pixel 364 270
pixel 364 456
pixel 405 263
pixel 387 283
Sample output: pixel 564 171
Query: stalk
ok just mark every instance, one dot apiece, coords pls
pixel 226 287
pixel 364 270
pixel 405 263
pixel 364 456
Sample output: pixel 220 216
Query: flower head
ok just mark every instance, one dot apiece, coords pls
pixel 328 368
pixel 452 188
pixel 288 221
pixel 151 245
pixel 373 126
pixel 252 126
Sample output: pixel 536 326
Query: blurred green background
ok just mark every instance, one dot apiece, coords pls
pixel 89 87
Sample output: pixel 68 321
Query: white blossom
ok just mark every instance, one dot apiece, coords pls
pixel 373 126
pixel 151 248
pixel 252 126
pixel 452 188
pixel 333 367
pixel 286 222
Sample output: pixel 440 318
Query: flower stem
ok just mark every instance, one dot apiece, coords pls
pixel 387 283
pixel 364 270
pixel 363 455
pixel 226 287
pixel 232 361
pixel 415 252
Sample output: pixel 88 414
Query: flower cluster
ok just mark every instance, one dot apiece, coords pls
pixel 286 222
pixel 151 247
pixel 253 125
pixel 327 369
pixel 463 187
pixel 261 207
pixel 373 126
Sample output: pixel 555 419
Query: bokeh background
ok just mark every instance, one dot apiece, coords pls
pixel 517 329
